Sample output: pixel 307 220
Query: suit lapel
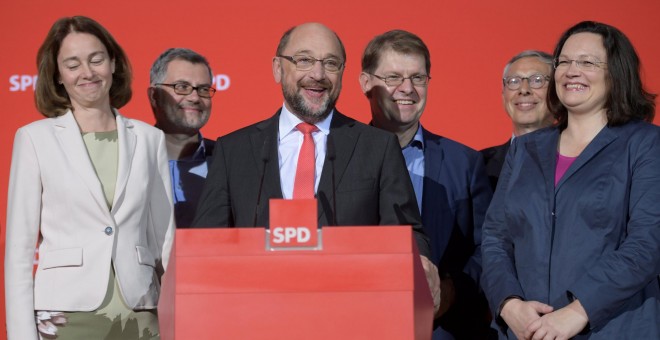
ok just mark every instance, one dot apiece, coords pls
pixel 543 150
pixel 264 149
pixel 500 153
pixel 433 204
pixel 433 158
pixel 69 136
pixel 126 149
pixel 602 139
pixel 344 139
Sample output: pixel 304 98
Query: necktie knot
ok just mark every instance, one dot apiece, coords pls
pixel 306 128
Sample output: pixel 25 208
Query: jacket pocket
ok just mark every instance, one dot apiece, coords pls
pixel 70 257
pixel 145 257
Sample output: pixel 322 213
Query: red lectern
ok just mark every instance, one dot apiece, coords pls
pixel 365 283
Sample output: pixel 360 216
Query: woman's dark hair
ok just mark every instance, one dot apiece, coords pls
pixel 50 97
pixel 627 98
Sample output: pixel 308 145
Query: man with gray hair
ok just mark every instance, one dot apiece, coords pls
pixel 180 94
pixel 524 87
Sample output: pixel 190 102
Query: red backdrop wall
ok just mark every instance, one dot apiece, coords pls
pixel 470 41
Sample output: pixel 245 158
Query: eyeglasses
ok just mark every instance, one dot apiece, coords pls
pixel 582 64
pixel 306 63
pixel 535 81
pixel 185 89
pixel 416 80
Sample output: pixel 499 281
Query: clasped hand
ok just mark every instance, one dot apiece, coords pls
pixel 533 320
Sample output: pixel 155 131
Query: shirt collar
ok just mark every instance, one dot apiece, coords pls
pixel 289 121
pixel 418 138
pixel 200 153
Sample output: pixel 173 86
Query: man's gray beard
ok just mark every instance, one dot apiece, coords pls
pixel 305 113
pixel 176 123
pixel 183 123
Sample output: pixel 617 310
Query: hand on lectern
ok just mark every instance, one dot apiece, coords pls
pixel 433 278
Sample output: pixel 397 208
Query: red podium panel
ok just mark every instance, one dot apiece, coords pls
pixel 366 283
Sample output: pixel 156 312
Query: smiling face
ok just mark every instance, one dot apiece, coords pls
pixel 177 113
pixel 396 108
pixel 527 106
pixel 312 94
pixel 85 70
pixel 583 91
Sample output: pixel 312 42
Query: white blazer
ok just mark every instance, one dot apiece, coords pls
pixel 54 192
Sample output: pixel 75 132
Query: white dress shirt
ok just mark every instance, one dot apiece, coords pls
pixel 289 143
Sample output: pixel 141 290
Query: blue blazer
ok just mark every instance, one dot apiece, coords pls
pixel 594 237
pixel 454 202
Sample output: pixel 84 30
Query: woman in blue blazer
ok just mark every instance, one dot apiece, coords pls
pixel 571 242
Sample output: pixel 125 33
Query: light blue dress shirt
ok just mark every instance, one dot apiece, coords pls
pixel 413 153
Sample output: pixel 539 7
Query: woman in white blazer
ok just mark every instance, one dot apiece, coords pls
pixel 91 190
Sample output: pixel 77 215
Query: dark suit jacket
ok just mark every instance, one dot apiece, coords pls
pixel 454 203
pixel 595 236
pixel 494 159
pixel 191 183
pixel 209 145
pixel 371 180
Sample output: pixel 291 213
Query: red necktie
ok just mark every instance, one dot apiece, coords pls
pixel 303 187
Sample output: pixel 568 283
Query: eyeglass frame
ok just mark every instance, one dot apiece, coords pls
pixel 402 79
pixel 295 63
pixel 546 78
pixel 211 89
pixel 580 64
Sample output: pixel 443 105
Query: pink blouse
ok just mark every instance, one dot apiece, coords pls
pixel 563 163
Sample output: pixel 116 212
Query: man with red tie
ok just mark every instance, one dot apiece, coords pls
pixel 309 149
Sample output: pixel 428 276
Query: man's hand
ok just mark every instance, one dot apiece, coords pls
pixel 433 279
pixel 519 314
pixel 447 295
pixel 561 324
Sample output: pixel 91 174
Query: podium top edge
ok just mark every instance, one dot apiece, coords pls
pixel 252 241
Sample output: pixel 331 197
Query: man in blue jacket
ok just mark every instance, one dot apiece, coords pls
pixel 449 179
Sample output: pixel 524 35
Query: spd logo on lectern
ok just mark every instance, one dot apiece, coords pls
pixel 293 225
pixel 299 235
